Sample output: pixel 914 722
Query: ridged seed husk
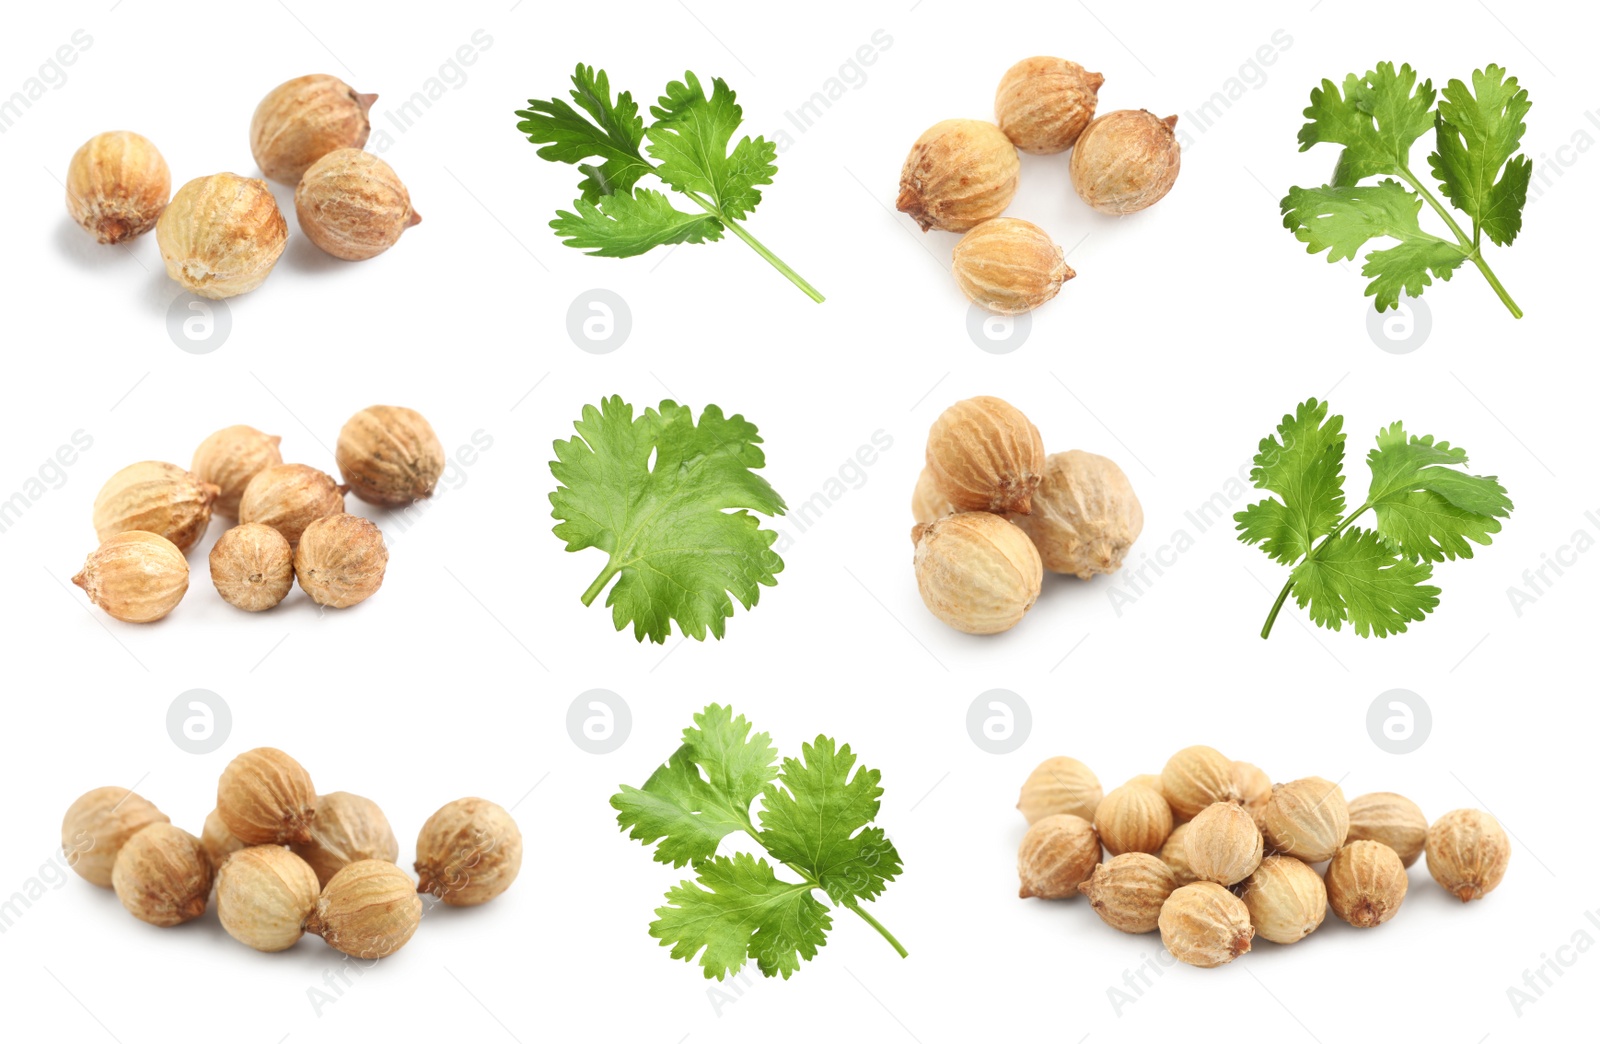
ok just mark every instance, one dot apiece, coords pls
pixel 1043 104
pixel 1125 161
pixel 1009 266
pixel 154 497
pixel 1366 883
pixel 468 852
pixel 389 455
pixel 353 205
pixel 1176 855
pixel 265 797
pixel 1059 786
pixel 959 173
pixel 348 829
pixel 1129 891
pixel 986 455
pixel 117 186
pixel 1057 854
pixel 304 119
pixel 1223 844
pixel 1084 515
pixel 96 827
pixel 264 895
pixel 1195 778
pixel 136 577
pixel 218 840
pixel 1392 819
pixel 341 560
pixel 977 572
pixel 230 458
pixel 928 502
pixel 369 910
pixel 1467 853
pixel 1205 925
pixel 162 876
pixel 221 235
pixel 289 497
pixel 252 567
pixel 1133 818
pixel 1307 819
pixel 1286 899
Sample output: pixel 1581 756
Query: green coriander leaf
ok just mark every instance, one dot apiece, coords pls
pixel 1425 508
pixel 1357 579
pixel 1478 132
pixel 1376 119
pixel 613 134
pixel 1303 466
pixel 814 818
pixel 678 530
pixel 1341 219
pixel 691 813
pixel 627 225
pixel 738 909
pixel 689 140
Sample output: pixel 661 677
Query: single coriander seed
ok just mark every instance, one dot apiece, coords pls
pixel 341 560
pixel 468 852
pixel 96 827
pixel 266 798
pixel 1366 883
pixel 1057 854
pixel 368 909
pixel 117 186
pixel 162 876
pixel 264 895
pixel 1129 890
pixel 252 567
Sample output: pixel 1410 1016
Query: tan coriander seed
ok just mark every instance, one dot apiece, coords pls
pixel 341 560
pixel 264 895
pixel 1129 891
pixel 1307 819
pixel 230 458
pixel 986 456
pixel 1009 266
pixel 1205 925
pixel 135 577
pixel 218 840
pixel 156 498
pixel 1125 161
pixel 1286 899
pixel 266 798
pixel 348 829
pixel 1059 785
pixel 117 186
pixel 1057 854
pixel 1133 819
pixel 1394 820
pixel 959 173
pixel 96 827
pixel 1366 883
pixel 1043 104
pixel 353 205
pixel 1084 516
pixel 1223 844
pixel 302 120
pixel 928 504
pixel 977 572
pixel 289 497
pixel 221 235
pixel 468 852
pixel 162 876
pixel 389 455
pixel 1467 853
pixel 252 567
pixel 1195 778
pixel 1175 853
pixel 369 910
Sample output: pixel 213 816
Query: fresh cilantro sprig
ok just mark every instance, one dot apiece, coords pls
pixel 1377 117
pixel 813 822
pixel 689 142
pixel 1425 510
pixel 658 494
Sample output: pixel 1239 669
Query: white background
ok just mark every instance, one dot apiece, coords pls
pixel 1190 329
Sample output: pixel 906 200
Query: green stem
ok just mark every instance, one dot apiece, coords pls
pixel 1468 246
pixel 901 950
pixel 1283 595
pixel 600 582
pixel 755 244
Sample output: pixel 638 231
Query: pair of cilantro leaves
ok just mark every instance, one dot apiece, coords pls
pixel 1377 118
pixel 1426 511
pixel 689 143
pixel 814 821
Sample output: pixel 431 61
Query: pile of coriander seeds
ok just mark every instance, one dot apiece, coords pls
pixel 286 861
pixel 1212 854
pixel 292 523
